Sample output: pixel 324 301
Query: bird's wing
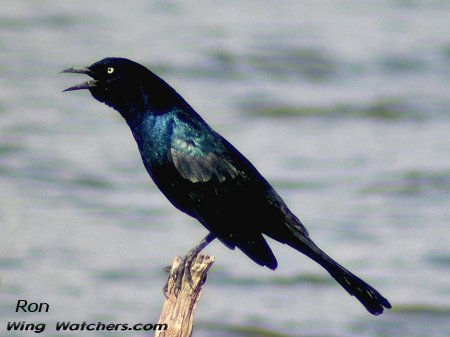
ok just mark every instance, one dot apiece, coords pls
pixel 216 166
pixel 197 164
pixel 198 153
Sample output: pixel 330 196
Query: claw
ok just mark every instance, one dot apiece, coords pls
pixel 187 269
pixel 178 276
pixel 184 268
pixel 165 288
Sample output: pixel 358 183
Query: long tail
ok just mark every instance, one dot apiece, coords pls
pixel 372 300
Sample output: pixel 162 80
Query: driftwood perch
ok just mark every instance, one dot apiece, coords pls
pixel 178 310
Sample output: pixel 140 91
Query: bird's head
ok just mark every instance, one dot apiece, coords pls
pixel 120 83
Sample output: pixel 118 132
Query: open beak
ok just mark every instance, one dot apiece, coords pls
pixel 81 70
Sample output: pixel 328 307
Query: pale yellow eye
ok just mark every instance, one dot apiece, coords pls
pixel 110 70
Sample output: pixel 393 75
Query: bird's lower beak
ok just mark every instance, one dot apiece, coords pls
pixel 85 85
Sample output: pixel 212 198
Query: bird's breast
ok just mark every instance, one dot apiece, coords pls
pixel 153 137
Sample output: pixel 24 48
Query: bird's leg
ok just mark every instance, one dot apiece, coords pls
pixel 190 257
pixel 185 267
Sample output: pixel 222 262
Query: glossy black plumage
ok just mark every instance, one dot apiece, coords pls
pixel 203 175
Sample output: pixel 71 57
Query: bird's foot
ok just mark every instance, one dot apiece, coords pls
pixel 182 270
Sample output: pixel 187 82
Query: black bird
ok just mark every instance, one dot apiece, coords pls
pixel 205 176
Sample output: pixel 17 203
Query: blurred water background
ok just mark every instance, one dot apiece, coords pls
pixel 342 105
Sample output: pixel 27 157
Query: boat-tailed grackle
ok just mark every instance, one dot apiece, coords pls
pixel 205 176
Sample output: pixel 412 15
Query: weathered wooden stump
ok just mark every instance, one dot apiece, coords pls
pixel 179 307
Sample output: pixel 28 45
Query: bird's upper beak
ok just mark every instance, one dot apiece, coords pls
pixel 84 85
